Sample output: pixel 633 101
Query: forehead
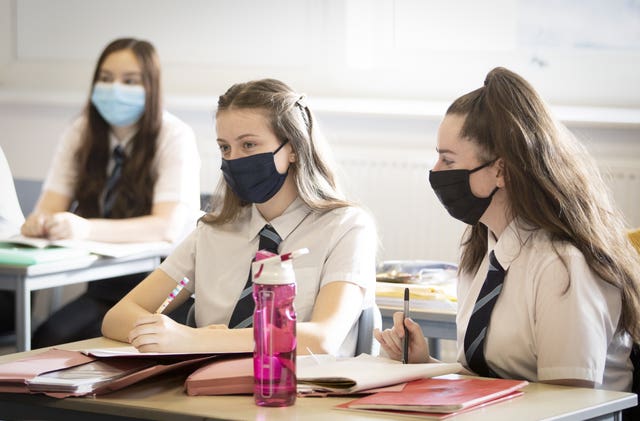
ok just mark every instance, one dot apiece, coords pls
pixel 449 138
pixel 236 122
pixel 121 61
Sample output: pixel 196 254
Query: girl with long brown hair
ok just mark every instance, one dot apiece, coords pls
pixel 277 182
pixel 124 171
pixel 545 260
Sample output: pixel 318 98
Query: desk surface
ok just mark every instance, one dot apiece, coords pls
pixel 164 398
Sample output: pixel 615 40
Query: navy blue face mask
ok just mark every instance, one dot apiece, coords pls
pixel 255 178
pixel 454 191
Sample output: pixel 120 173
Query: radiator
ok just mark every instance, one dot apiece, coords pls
pixel 412 224
pixel 623 179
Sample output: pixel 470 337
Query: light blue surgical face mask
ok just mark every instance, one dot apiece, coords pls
pixel 120 105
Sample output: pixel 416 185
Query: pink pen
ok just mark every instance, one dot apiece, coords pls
pixel 172 295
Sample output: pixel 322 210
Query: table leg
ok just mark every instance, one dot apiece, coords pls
pixel 23 317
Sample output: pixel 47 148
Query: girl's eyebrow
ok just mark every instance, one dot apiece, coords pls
pixel 445 151
pixel 241 137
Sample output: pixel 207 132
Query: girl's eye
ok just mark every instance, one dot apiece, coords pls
pixel 132 81
pixel 249 145
pixel 224 148
pixel 105 78
pixel 446 161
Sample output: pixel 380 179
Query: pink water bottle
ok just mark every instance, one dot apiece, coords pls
pixel 274 330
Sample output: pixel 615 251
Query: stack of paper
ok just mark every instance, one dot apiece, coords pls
pixel 435 297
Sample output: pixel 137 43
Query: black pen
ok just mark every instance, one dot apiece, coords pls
pixel 405 340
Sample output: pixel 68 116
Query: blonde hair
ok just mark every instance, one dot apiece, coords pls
pixel 290 119
pixel 552 183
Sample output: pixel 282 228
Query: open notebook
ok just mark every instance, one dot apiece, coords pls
pixel 95 247
pixel 315 374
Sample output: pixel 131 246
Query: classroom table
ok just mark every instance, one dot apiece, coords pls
pixel 436 324
pixel 24 279
pixel 163 398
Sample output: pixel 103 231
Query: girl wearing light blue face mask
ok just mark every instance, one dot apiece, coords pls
pixel 125 171
pixel 120 105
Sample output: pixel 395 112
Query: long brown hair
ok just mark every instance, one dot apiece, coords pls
pixel 552 183
pixel 290 119
pixel 135 189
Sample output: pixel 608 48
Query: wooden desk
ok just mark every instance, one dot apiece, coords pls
pixel 25 279
pixel 436 324
pixel 164 399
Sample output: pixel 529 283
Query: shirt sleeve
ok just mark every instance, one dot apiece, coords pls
pixel 178 165
pixel 62 174
pixel 576 316
pixel 353 255
pixel 181 261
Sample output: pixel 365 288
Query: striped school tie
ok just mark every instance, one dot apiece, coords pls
pixel 112 181
pixel 242 315
pixel 474 338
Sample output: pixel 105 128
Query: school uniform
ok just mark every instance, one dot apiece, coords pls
pixel 554 319
pixel 342 245
pixel 176 165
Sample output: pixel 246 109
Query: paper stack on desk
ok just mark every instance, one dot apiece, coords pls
pixel 432 297
pixel 432 284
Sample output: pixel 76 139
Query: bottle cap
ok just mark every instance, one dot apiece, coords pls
pixel 277 269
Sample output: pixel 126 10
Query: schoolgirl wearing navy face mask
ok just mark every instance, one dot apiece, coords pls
pixel 277 184
pixel 125 171
pixel 548 285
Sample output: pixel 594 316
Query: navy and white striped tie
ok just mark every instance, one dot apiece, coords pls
pixel 112 181
pixel 242 315
pixel 475 335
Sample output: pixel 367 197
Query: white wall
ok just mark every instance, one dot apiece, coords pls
pixel 379 73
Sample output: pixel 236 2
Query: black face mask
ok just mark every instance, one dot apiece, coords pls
pixel 255 178
pixel 454 191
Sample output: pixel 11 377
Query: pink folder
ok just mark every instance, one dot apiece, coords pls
pixel 15 375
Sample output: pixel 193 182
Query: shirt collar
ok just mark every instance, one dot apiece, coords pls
pixel 125 143
pixel 507 247
pixel 283 224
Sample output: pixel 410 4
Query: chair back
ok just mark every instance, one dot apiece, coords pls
pixel 370 318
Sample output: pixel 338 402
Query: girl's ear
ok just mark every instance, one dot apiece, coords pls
pixel 500 172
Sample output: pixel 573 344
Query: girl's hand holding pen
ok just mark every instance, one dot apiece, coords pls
pixel 391 340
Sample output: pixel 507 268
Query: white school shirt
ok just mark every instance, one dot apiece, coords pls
pixel 216 258
pixel 537 331
pixel 176 163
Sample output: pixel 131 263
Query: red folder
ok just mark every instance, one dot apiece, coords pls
pixel 438 398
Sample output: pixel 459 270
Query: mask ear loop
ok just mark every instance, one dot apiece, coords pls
pixel 486 164
pixel 281 146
